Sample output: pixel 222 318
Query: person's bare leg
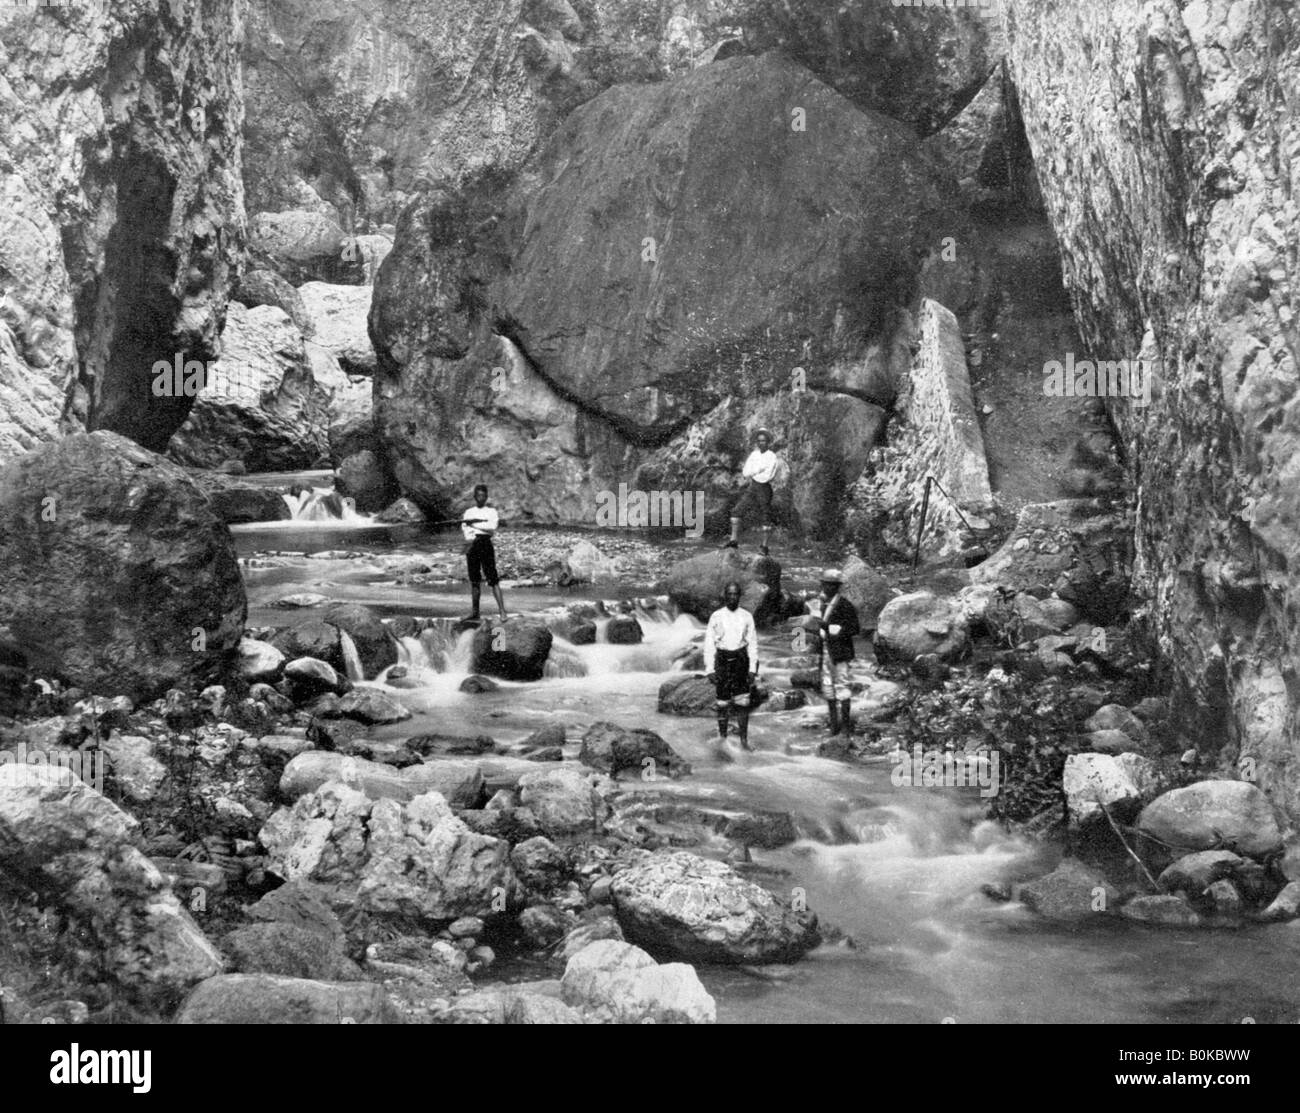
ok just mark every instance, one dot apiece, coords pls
pixel 734 540
pixel 766 532
pixel 501 603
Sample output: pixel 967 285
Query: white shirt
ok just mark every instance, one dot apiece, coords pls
pixel 761 466
pixel 486 528
pixel 728 629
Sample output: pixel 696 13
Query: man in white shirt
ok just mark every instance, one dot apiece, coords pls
pixel 760 469
pixel 731 660
pixel 478 524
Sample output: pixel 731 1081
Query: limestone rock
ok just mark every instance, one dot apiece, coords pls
pixel 1210 815
pixel 618 983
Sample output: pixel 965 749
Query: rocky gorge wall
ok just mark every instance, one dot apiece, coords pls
pixel 1167 140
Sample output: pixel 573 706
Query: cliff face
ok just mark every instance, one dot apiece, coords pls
pixel 1167 140
pixel 120 209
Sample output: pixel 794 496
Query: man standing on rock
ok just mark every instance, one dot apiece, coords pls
pixel 760 469
pixel 479 523
pixel 839 625
pixel 731 660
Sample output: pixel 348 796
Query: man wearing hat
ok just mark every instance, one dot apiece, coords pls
pixel 760 469
pixel 839 625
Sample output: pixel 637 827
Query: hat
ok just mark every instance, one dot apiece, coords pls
pixel 832 576
pixel 762 433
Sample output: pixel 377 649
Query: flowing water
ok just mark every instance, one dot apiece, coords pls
pixel 898 869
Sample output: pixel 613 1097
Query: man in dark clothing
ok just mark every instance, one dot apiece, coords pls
pixel 731 660
pixel 478 525
pixel 839 625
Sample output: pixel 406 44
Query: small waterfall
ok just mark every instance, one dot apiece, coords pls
pixel 322 504
pixel 351 658
pixel 444 648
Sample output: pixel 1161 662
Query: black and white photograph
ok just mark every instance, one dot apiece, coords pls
pixel 673 512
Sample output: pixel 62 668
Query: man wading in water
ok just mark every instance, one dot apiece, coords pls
pixel 478 524
pixel 760 469
pixel 731 661
pixel 838 627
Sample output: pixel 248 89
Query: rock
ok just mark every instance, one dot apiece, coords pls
pixel 477 685
pixel 339 315
pixel 553 734
pixel 301 247
pixel 236 500
pixel 131 759
pixel 1114 717
pixel 618 983
pixel 543 924
pixel 259 661
pixel 510 1006
pixel 1223 898
pixel 290 951
pixel 271 999
pixel 115 564
pixel 1286 905
pixel 703 911
pixel 1167 911
pixel 80 849
pixel 623 629
pixel 370 705
pixel 310 676
pixel 588 564
pixel 375 645
pixel 566 801
pixel 1072 892
pixel 1112 742
pixel 413 862
pixel 867 590
pixel 1058 613
pixel 1211 815
pixel 460 782
pixel 440 745
pixel 539 864
pixel 1194 873
pixel 400 512
pixel 921 623
pixel 695 585
pixel 261 405
pixel 301 905
pixel 310 639
pixel 691 695
pixel 265 287
pixel 1152 709
pixel 470 926
pixel 513 650
pixel 612 749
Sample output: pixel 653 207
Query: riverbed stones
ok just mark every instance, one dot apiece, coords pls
pixel 58 832
pixel 118 574
pixel 459 781
pixel 371 706
pixel 272 999
pixel 1071 893
pixel 1163 910
pixel 512 650
pixel 1208 815
pixel 565 801
pixel 618 983
pixel 613 749
pixel 1194 873
pixel 540 864
pixel 703 911
pixel 920 623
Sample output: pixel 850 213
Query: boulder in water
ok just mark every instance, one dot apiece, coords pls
pixel 513 650
pixel 687 695
pixel 1167 911
pixel 369 705
pixel 310 639
pixel 477 685
pixel 623 629
pixel 612 750
pixel 696 584
pixel 1212 815
pixel 118 574
pixel 566 801
pixel 309 676
pixel 614 982
pixel 1072 892
pixel 1194 873
pixel 401 512
pixel 921 623
pixel 376 647
pixel 434 744
pixel 867 590
pixel 701 910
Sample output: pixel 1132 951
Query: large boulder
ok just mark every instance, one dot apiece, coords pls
pixel 695 584
pixel 920 623
pixel 702 911
pixel 613 749
pixel 265 287
pixel 1093 780
pixel 703 318
pixel 513 650
pixel 71 843
pixel 614 982
pixel 566 801
pixel 304 247
pixel 1213 815
pixel 867 590
pixel 273 999
pixel 118 574
pixel 261 404
pixel 338 315
pixel 1071 893
pixel 687 694
pixel 376 647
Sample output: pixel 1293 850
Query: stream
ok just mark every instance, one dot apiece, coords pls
pixel 898 869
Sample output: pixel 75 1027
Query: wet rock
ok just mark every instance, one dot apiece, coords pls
pixel 1072 892
pixel 547 753
pixel 513 650
pixel 1223 898
pixel 613 749
pixel 369 705
pixel 540 864
pixel 551 735
pixel 376 646
pixel 460 782
pixel 1167 911
pixel 94 596
pixel 1194 873
pixel 477 685
pixel 1211 815
pixel 566 801
pixel 310 676
pixel 80 848
pixel 1286 905
pixel 334 734
pixel 703 911
pixel 259 661
pixel 695 585
pixel 433 744
pixel 597 923
pixel 618 983
pixel 271 999
pixel 288 950
pixel 310 639
pixel 683 694
pixel 623 629
pixel 921 623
